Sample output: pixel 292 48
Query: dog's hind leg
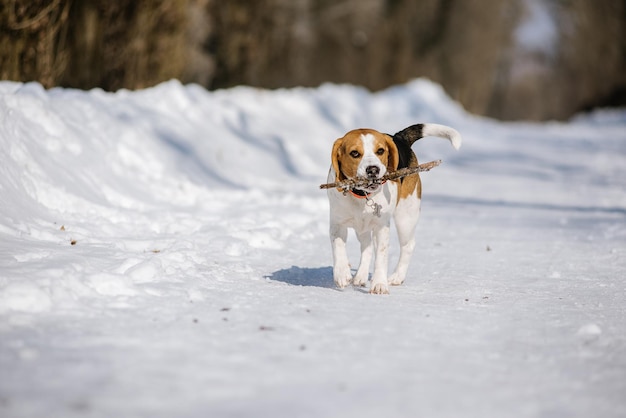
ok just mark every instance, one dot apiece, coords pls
pixel 405 218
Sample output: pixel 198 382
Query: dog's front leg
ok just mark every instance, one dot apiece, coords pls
pixel 381 244
pixel 341 264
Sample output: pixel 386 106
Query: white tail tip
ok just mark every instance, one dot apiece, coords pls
pixel 443 131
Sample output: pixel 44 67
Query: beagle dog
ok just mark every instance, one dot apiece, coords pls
pixel 369 154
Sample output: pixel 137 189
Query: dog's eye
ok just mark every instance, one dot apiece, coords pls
pixel 380 151
pixel 355 154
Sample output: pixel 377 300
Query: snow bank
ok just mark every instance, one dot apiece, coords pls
pixel 164 253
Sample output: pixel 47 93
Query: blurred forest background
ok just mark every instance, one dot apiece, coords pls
pixel 508 59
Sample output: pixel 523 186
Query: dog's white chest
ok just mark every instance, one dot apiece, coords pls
pixel 362 213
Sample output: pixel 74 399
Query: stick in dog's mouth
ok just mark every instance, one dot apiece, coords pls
pixel 361 182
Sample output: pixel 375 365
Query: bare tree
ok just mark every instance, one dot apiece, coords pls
pixel 483 52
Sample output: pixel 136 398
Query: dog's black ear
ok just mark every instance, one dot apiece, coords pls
pixel 393 158
pixel 334 158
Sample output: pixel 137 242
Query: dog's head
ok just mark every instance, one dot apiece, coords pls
pixel 364 153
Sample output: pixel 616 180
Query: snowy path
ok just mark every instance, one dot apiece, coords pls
pixel 165 253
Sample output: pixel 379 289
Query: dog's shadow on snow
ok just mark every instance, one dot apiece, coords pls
pixel 304 276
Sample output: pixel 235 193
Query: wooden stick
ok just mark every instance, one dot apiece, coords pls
pixel 363 182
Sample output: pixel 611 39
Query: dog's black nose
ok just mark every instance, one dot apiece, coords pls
pixel 372 171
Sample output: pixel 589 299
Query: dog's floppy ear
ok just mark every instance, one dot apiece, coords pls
pixel 394 157
pixel 334 158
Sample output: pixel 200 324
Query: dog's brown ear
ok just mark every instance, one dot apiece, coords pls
pixel 394 158
pixel 334 158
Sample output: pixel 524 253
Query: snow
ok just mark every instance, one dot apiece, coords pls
pixel 165 253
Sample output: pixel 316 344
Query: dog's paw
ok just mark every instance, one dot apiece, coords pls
pixel 360 279
pixel 342 277
pixel 379 288
pixel 395 280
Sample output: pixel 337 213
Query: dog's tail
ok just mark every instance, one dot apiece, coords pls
pixel 415 132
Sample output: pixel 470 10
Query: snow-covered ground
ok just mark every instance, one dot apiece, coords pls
pixel 164 253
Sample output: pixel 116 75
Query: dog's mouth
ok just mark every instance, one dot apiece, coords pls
pixel 372 186
pixel 371 177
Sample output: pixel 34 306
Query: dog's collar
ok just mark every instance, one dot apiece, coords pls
pixel 359 194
